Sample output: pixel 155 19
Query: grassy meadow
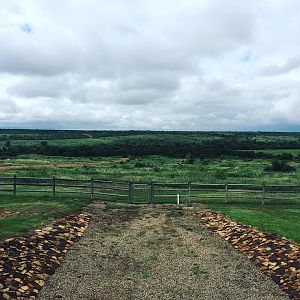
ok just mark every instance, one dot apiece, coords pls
pixel 279 151
pixel 173 157
pixel 151 168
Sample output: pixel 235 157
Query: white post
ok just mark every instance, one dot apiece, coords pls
pixel 178 199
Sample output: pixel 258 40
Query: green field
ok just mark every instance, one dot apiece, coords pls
pixel 32 211
pixel 144 156
pixel 282 220
pixel 151 168
pixel 279 151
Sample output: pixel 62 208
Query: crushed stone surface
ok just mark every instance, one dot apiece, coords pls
pixel 155 252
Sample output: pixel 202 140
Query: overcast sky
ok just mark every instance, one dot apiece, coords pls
pixel 159 64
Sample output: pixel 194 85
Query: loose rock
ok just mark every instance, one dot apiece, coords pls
pixel 27 261
pixel 277 257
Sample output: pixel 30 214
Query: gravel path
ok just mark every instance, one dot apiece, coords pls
pixel 154 252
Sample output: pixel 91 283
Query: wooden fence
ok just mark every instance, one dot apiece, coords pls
pixel 152 192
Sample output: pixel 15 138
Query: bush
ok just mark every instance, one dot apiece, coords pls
pixel 189 159
pixel 280 166
pixel 44 143
pixel 89 170
pixel 220 174
pixel 140 164
pixel 205 162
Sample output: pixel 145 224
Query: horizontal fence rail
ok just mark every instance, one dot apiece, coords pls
pixel 151 192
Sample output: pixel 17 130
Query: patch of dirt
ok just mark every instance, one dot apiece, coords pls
pixel 4 213
pixel 50 165
pixel 124 159
pixel 155 252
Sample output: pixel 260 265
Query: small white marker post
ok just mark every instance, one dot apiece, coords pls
pixel 178 199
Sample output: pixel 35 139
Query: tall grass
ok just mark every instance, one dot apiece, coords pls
pixel 154 168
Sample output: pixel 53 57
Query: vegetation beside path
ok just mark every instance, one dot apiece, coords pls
pixel 278 258
pixel 282 220
pixel 23 213
pixel 27 261
pixel 20 214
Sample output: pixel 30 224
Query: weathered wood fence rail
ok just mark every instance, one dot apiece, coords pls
pixel 152 192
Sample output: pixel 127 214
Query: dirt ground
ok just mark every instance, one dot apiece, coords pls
pixel 48 165
pixel 154 252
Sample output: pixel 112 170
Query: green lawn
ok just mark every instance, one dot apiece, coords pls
pixel 34 211
pixel 282 220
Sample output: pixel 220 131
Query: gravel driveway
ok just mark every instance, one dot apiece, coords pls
pixel 154 252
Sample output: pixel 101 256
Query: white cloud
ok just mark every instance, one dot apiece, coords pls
pixel 156 65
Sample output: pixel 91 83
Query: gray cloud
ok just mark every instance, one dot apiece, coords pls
pixel 149 65
pixel 7 106
pixel 37 86
pixel 291 64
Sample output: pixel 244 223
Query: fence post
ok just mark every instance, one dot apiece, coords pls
pixel 15 186
pixel 150 197
pixel 190 188
pixel 149 193
pixel 53 186
pixel 152 192
pixel 263 194
pixel 92 188
pixel 226 192
pixel 130 192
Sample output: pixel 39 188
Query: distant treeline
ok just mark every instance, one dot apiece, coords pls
pixel 37 134
pixel 143 147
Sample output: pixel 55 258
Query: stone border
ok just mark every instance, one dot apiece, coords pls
pixel 278 258
pixel 27 261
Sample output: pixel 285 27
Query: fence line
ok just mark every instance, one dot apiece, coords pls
pixel 151 192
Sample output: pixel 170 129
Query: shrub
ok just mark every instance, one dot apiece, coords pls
pixel 205 161
pixel 280 166
pixel 140 164
pixel 220 174
pixel 44 143
pixel 88 170
pixel 189 159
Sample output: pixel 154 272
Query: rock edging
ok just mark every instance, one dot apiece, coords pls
pixel 27 261
pixel 277 257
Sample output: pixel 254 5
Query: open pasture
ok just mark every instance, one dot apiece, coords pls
pixel 144 157
pixel 294 152
pixel 156 168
